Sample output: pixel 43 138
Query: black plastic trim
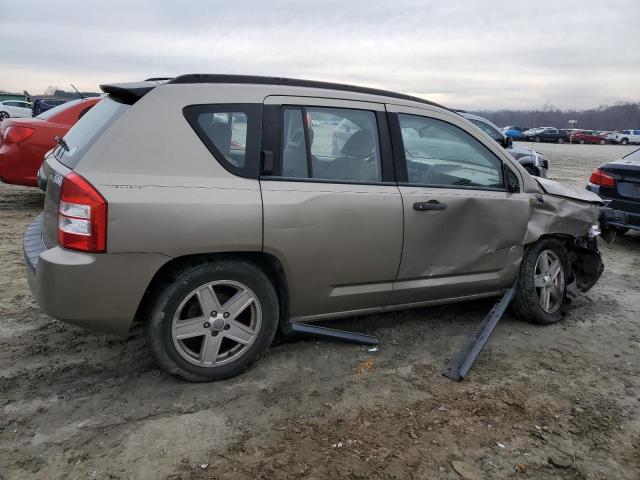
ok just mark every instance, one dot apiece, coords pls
pixel 271 137
pixel 324 180
pixel 251 168
pixel 128 93
pixel 293 82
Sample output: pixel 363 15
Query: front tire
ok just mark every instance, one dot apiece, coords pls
pixel 602 142
pixel 542 282
pixel 561 140
pixel 537 139
pixel 213 321
pixel 624 141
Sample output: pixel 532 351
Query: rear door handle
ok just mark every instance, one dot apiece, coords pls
pixel 430 205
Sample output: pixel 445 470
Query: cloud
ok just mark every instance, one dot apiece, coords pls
pixel 469 54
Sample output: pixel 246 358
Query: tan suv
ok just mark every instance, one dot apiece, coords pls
pixel 216 209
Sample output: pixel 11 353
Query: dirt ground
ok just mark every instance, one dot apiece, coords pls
pixel 542 402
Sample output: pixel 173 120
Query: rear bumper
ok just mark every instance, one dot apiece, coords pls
pixel 15 167
pixel 96 291
pixel 631 209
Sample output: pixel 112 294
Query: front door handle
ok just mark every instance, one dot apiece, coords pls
pixel 430 205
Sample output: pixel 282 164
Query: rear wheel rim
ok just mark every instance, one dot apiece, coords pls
pixel 216 324
pixel 548 281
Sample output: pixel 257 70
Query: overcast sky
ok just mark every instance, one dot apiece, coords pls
pixel 462 53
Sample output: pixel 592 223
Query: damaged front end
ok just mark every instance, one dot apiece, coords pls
pixel 577 217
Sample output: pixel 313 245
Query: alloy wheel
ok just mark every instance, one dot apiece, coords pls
pixel 549 281
pixel 216 323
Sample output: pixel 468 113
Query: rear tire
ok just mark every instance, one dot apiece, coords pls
pixel 541 287
pixel 602 142
pixel 581 142
pixel 213 321
pixel 537 139
pixel 561 140
pixel 4 115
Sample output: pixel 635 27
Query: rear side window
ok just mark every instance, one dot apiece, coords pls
pixel 231 132
pixel 88 129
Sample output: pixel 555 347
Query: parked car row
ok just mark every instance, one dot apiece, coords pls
pixel 238 206
pixel 23 109
pixel 562 135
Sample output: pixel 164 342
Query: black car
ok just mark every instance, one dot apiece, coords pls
pixel 43 104
pixel 619 182
pixel 547 135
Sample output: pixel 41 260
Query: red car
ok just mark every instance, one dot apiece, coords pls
pixel 24 141
pixel 587 136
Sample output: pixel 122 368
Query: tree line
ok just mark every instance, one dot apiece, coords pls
pixel 605 117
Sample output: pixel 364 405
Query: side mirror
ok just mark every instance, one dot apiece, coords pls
pixel 510 179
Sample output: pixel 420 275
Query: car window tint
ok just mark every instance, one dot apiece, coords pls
pixel 294 147
pixel 231 133
pixel 441 154
pixel 343 144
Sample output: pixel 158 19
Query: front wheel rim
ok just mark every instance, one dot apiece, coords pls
pixel 548 281
pixel 217 323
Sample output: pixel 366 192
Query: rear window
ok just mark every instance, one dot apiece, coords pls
pixel 88 129
pixel 231 132
pixel 55 110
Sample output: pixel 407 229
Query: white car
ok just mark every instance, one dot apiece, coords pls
pixel 624 137
pixel 15 109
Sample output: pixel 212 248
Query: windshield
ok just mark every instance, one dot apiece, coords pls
pixel 88 129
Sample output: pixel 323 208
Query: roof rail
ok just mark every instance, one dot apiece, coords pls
pixel 253 79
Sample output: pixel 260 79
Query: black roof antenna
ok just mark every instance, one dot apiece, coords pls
pixel 81 96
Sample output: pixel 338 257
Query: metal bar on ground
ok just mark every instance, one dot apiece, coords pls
pixel 462 362
pixel 334 334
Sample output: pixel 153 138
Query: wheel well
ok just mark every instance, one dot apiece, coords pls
pixel 583 256
pixel 269 264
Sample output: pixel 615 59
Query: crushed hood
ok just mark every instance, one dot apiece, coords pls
pixel 568 191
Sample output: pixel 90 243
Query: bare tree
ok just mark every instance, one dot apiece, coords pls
pixel 604 117
pixel 50 90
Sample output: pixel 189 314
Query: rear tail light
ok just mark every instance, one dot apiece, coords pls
pixel 16 134
pixel 602 178
pixel 82 216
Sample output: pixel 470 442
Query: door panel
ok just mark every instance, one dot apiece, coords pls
pixel 471 247
pixel 339 233
pixel 463 231
pixel 339 244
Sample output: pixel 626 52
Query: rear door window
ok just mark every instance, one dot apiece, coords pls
pixel 331 144
pixel 231 132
